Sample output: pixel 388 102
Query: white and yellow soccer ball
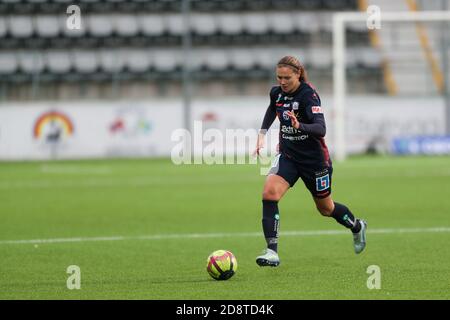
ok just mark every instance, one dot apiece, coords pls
pixel 221 265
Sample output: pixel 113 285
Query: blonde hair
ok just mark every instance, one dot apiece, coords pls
pixel 294 64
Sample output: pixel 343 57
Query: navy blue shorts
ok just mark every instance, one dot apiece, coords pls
pixel 317 180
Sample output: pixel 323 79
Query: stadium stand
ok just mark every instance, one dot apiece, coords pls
pixel 152 6
pixel 142 39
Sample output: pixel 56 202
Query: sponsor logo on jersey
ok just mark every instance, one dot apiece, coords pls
pixel 295 138
pixel 279 97
pixel 295 105
pixel 285 115
pixel 277 102
pixel 321 173
pixel 289 129
pixel 316 109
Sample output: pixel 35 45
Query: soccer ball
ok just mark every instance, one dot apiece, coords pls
pixel 221 265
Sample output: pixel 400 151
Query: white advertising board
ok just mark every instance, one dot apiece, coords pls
pixel 86 130
pixel 66 130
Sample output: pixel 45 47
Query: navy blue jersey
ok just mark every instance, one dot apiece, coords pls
pixel 305 145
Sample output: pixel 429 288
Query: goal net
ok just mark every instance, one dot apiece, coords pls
pixel 409 102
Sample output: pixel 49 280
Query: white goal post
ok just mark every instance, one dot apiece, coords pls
pixel 339 62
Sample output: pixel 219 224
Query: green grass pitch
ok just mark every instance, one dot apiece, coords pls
pixel 168 219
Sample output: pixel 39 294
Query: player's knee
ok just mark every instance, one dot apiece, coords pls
pixel 271 194
pixel 325 210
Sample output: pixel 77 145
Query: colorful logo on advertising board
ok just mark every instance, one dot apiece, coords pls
pixel 53 127
pixel 130 122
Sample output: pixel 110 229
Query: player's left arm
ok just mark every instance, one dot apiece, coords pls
pixel 314 114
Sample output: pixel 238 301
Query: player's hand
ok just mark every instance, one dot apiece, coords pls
pixel 294 120
pixel 259 145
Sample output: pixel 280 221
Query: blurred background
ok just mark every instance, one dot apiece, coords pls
pixel 115 78
pixel 108 79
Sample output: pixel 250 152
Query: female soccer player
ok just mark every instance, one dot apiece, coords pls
pixel 302 154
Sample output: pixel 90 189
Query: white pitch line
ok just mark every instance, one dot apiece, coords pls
pixel 224 235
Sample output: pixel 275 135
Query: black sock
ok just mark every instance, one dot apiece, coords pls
pixel 271 223
pixel 344 216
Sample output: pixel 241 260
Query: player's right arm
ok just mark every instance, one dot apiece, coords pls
pixel 316 120
pixel 269 117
